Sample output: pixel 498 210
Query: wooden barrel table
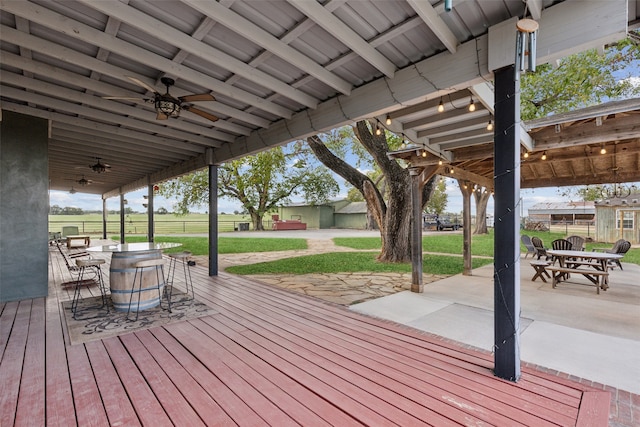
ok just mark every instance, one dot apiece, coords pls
pixel 122 272
pixel 121 275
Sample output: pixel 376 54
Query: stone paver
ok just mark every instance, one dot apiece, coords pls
pixel 343 289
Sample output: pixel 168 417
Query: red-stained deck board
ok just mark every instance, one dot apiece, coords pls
pixel 514 396
pixel 115 400
pixel 208 352
pixel 168 395
pixel 441 395
pixel 59 400
pixel 7 316
pixel 239 410
pixel 366 399
pixel 145 403
pixel 88 403
pixel 594 410
pixel 12 360
pixel 31 400
pixel 280 374
pixel 309 396
pixel 207 408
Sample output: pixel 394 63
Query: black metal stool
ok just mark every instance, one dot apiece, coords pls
pixel 158 266
pixel 180 257
pixel 84 264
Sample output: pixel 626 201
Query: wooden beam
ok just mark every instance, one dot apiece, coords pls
pixel 429 15
pixel 325 19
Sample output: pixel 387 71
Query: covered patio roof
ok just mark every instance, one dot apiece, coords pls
pixel 572 144
pixel 279 71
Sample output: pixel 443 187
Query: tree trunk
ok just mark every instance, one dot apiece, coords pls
pixel 393 216
pixel 256 219
pixel 481 198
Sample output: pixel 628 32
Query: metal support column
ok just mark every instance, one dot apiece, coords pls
pixel 213 220
pixel 507 224
pixel 122 218
pixel 150 226
pixel 104 218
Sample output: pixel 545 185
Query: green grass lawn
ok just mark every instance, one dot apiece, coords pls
pixel 226 245
pixel 351 262
pixel 344 262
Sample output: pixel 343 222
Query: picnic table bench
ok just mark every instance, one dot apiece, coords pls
pixel 599 278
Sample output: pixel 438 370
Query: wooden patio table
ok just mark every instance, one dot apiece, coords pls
pixel 122 271
pixel 573 261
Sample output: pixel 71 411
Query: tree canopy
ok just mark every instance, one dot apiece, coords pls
pixel 580 80
pixel 261 183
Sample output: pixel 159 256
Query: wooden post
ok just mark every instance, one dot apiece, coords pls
pixel 507 224
pixel 416 231
pixel 466 189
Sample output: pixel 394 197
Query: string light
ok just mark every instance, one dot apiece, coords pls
pixel 472 106
pixel 388 121
pixel 490 125
pixel 440 162
pixel 440 106
pixel 526 154
pixel 603 150
pixel 378 130
pixel 544 155
pixel 424 153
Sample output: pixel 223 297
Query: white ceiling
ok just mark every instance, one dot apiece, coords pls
pixel 279 71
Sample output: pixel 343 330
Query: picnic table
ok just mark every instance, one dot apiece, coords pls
pixel 592 265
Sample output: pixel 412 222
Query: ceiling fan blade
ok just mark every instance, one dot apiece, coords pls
pixel 143 84
pixel 200 112
pixel 197 97
pixel 161 116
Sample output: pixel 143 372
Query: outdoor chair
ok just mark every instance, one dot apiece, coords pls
pixel 73 268
pixel 541 251
pixel 620 247
pixel 577 243
pixel 526 241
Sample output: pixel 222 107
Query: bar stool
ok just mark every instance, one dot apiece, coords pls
pixel 186 269
pixel 83 265
pixel 140 266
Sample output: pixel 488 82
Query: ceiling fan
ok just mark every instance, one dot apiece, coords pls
pixel 100 167
pixel 167 105
pixel 84 181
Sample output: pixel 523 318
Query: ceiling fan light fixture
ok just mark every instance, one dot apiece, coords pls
pixel 168 107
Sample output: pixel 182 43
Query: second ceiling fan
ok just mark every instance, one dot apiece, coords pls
pixel 167 105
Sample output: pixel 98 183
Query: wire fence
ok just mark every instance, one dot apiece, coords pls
pixel 159 227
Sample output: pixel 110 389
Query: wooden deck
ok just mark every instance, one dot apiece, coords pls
pixel 267 357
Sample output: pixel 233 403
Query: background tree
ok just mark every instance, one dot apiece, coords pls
pixel 261 183
pixel 481 196
pixel 391 207
pixel 437 203
pixel 580 80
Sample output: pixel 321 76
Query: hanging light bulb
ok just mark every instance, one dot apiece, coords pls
pixel 490 125
pixel 388 121
pixel 451 171
pixel 544 155
pixel 424 153
pixel 603 150
pixel 440 106
pixel 472 106
pixel 526 154
pixel 378 130
pixel 440 162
